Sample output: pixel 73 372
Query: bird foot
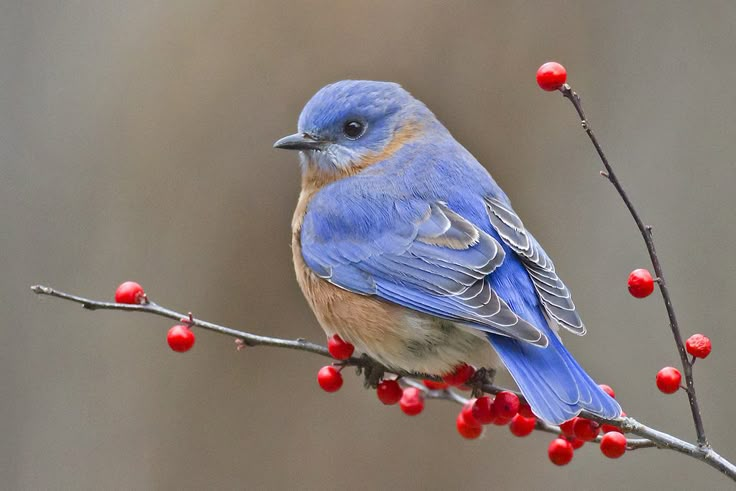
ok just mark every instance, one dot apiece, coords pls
pixel 371 370
pixel 481 377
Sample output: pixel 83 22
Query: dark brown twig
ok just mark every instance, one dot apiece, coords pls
pixel 646 233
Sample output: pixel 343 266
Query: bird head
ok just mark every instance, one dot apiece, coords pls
pixel 349 124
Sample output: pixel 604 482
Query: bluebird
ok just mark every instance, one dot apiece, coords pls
pixel 405 246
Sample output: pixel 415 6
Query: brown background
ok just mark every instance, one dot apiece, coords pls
pixel 135 143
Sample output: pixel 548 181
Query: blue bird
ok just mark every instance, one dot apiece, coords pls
pixel 405 246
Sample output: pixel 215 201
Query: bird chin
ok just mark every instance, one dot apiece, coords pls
pixel 330 159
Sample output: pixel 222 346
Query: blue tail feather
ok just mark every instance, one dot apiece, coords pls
pixel 553 383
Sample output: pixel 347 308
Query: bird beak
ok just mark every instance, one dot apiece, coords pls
pixel 300 141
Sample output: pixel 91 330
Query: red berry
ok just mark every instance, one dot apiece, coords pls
pixel 506 405
pixel 668 380
pixel 432 385
pixel 412 401
pixel 613 445
pixel 469 429
pixel 551 76
pixel 698 345
pixel 567 427
pixel 130 292
pixel 606 428
pixel 459 376
pixel 560 451
pixel 329 378
pixel 522 426
pixel 526 410
pixel 641 283
pixel 180 338
pixel 608 390
pixel 389 392
pixel 339 349
pixel 575 442
pixel 483 411
pixel 467 412
pixel 586 429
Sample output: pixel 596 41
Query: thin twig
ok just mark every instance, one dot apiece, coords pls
pixel 248 339
pixel 650 436
pixel 646 233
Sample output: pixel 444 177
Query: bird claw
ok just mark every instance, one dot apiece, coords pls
pixel 371 370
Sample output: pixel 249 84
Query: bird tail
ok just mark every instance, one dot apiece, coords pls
pixel 553 383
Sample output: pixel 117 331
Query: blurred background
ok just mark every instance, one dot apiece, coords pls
pixel 135 143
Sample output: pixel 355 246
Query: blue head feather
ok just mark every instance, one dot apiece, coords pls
pixel 383 108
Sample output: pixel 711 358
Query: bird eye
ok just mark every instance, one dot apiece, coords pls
pixel 353 129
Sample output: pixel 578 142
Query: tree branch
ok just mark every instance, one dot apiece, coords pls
pixel 650 436
pixel 646 233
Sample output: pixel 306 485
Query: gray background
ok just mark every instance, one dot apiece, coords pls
pixel 135 143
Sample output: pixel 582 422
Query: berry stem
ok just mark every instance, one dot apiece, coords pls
pixel 646 232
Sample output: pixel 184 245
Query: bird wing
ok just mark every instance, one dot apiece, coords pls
pixel 552 292
pixel 417 254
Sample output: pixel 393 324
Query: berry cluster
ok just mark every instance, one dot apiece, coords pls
pixel 577 431
pixel 504 409
pixel 501 410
